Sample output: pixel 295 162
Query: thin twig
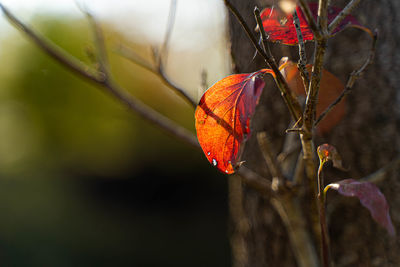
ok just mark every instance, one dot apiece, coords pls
pixel 352 79
pixel 159 71
pixel 170 26
pixel 298 174
pixel 270 158
pixel 264 38
pixel 290 100
pixel 302 52
pixel 255 181
pixel 95 77
pixel 310 19
pixel 163 55
pixel 136 58
pixel 287 158
pixel 342 15
pixel 322 20
pixel 81 70
pixel 159 57
pixel 102 58
pixel 180 91
pixel 380 174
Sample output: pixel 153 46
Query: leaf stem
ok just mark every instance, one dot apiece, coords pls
pixel 322 217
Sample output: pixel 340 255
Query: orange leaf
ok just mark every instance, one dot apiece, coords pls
pixel 330 88
pixel 223 117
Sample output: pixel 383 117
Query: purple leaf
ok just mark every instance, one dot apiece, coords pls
pixel 370 197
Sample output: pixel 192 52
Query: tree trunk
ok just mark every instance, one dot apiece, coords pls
pixel 368 138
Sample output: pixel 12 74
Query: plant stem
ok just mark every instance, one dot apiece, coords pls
pixel 322 218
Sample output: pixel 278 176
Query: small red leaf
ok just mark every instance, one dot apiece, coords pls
pixel 330 88
pixel 280 27
pixel 328 152
pixel 370 197
pixel 223 117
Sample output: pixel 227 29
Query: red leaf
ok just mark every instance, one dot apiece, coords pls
pixel 328 152
pixel 370 197
pixel 223 117
pixel 280 27
pixel 330 88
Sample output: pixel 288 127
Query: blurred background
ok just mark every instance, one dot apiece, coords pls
pixel 83 180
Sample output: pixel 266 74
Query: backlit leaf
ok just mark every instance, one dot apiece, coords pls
pixel 223 117
pixel 280 27
pixel 330 88
pixel 370 197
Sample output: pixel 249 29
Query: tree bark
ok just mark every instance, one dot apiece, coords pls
pixel 368 138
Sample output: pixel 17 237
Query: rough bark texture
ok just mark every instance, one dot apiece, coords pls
pixel 368 139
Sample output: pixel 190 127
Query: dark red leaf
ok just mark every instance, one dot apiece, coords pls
pixel 280 28
pixel 223 117
pixel 330 88
pixel 370 197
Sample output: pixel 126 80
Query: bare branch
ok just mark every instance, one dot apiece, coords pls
pixel 380 174
pixel 159 57
pixel 137 59
pixel 255 181
pixel 342 15
pixel 322 20
pixel 291 102
pixel 352 79
pixel 264 37
pixel 270 158
pixel 102 58
pixel 250 178
pixel 310 19
pixel 158 70
pixel 96 78
pixel 302 52
pixel 170 26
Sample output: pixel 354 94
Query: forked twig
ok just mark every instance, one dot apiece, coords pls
pixel 81 70
pixel 264 37
pixel 291 102
pixel 98 79
pixel 270 158
pixel 255 181
pixel 159 57
pixel 352 79
pixel 310 19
